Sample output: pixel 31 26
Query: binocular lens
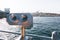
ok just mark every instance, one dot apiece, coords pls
pixel 14 18
pixel 24 18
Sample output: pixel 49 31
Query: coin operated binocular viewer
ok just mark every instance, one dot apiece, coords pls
pixel 24 19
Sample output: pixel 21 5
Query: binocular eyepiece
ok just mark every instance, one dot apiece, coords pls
pixel 24 18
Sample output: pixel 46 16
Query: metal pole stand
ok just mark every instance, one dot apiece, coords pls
pixel 22 32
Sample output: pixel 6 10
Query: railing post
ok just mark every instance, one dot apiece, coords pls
pixel 55 35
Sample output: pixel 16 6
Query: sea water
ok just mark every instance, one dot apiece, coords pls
pixel 45 26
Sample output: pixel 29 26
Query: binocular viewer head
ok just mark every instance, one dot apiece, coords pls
pixel 25 19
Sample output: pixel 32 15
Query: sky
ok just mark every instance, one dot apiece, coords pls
pixel 31 5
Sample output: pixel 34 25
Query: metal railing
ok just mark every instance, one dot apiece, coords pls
pixel 55 35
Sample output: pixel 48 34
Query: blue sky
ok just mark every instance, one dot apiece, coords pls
pixel 31 5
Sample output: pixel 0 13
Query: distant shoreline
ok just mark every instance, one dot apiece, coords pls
pixel 46 14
